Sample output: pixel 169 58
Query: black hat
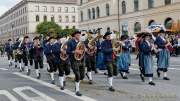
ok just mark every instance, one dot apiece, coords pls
pixel 51 38
pixel 106 34
pixel 90 32
pixel 36 38
pixel 76 32
pixel 124 37
pixel 58 37
pixel 25 37
pixel 9 40
pixel 146 34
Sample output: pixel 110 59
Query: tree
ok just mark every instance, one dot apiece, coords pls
pixel 66 32
pixel 48 27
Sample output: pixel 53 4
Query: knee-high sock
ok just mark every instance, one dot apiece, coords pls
pixel 37 72
pixel 150 79
pixel 77 86
pixel 27 68
pixel 165 74
pixel 124 74
pixel 52 76
pixel 20 66
pixel 9 62
pixel 110 80
pixel 61 81
pixel 89 75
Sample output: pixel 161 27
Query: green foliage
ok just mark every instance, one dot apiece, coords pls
pixel 66 32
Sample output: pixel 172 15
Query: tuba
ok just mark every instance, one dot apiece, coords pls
pixel 80 47
pixel 63 54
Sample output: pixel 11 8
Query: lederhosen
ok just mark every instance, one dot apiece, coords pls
pixel 90 59
pixel 48 51
pixel 38 57
pixel 77 66
pixel 108 58
pixel 62 66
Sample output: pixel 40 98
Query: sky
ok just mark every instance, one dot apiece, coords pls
pixel 6 5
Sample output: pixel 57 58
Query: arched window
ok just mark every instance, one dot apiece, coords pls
pixel 45 18
pixel 37 18
pixel 123 7
pixel 167 2
pixel 60 18
pixel 137 27
pixel 67 19
pixel 52 18
pixel 89 13
pixel 151 22
pixel 73 9
pixel 66 9
pixel 94 14
pixel 150 3
pixel 107 10
pixel 136 5
pixel 82 16
pixel 98 12
pixel 168 23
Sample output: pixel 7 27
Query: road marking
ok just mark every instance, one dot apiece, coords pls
pixel 4 69
pixel 41 97
pixel 66 91
pixel 8 95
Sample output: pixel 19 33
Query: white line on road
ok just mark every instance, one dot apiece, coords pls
pixel 8 95
pixel 4 69
pixel 68 92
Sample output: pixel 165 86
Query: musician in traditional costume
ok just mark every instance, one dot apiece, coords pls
pixel 25 48
pixel 15 47
pixel 163 55
pixel 124 59
pixel 48 51
pixel 107 50
pixel 9 51
pixel 61 61
pixel 76 56
pixel 146 48
pixel 37 56
pixel 91 48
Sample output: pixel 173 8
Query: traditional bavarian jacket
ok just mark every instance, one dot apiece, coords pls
pixel 48 50
pixel 8 48
pixel 56 51
pixel 71 47
pixel 160 42
pixel 145 48
pixel 26 48
pixel 37 53
pixel 107 50
pixel 16 45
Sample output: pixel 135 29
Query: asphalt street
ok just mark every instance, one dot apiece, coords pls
pixel 16 86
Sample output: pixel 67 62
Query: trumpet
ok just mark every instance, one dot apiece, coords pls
pixel 63 54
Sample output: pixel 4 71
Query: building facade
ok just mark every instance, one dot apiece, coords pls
pixel 27 14
pixel 127 16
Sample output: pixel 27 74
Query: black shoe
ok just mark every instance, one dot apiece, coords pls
pixel 20 70
pixel 111 89
pixel 87 76
pixel 105 73
pixel 166 78
pixel 125 77
pixel 78 94
pixel 29 72
pixel 158 74
pixel 53 82
pixel 62 88
pixel 96 72
pixel 90 82
pixel 142 77
pixel 152 83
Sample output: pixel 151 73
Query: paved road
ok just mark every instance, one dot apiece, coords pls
pixel 15 86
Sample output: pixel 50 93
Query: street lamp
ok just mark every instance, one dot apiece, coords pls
pixel 119 19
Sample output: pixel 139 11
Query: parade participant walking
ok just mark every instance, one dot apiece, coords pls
pixel 48 51
pixel 9 52
pixel 107 50
pixel 25 47
pixel 146 58
pixel 77 48
pixel 124 60
pixel 61 60
pixel 37 52
pixel 163 55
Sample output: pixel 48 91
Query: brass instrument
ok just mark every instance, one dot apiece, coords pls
pixel 63 54
pixel 19 51
pixel 79 51
pixel 117 47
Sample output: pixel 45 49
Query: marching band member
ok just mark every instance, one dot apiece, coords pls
pixel 76 65
pixel 163 55
pixel 146 58
pixel 16 46
pixel 107 50
pixel 48 51
pixel 124 60
pixel 90 57
pixel 25 47
pixel 37 56
pixel 9 51
pixel 61 64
